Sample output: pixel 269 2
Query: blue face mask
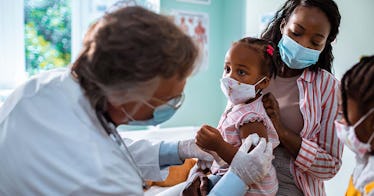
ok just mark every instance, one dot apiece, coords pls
pixel 161 113
pixel 294 55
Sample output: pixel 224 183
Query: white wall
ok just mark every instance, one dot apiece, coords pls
pixel 356 38
pixel 12 52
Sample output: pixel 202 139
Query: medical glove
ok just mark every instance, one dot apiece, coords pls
pixel 252 166
pixel 188 149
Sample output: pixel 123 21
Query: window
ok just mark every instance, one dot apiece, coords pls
pixel 38 35
pixel 47 34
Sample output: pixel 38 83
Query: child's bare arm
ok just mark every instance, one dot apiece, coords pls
pixel 209 138
pixel 253 127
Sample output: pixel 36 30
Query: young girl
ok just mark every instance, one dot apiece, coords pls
pixel 249 65
pixel 356 128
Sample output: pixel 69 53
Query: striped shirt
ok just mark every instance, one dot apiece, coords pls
pixel 231 121
pixel 320 154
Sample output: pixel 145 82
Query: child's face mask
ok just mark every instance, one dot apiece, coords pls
pixel 348 136
pixel 238 92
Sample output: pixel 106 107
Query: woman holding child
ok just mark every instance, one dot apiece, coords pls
pixel 302 100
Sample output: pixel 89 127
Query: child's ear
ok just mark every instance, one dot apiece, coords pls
pixel 265 83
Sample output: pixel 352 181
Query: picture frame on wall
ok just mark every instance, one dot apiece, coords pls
pixel 206 2
pixel 196 25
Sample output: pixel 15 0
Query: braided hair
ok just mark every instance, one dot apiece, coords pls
pixel 357 84
pixel 267 51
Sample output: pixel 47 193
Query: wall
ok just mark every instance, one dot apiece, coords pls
pixel 12 58
pixel 354 40
pixel 204 101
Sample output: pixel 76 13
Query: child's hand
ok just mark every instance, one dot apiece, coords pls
pixel 209 138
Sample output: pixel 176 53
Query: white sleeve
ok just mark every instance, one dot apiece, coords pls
pixel 152 158
pixel 146 157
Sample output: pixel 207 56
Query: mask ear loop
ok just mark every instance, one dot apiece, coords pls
pixel 372 134
pixel 370 140
pixel 363 118
pixel 128 115
pixel 259 90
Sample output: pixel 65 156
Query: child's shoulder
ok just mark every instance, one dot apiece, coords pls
pixel 256 107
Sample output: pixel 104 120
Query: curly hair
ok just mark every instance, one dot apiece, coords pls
pixel 357 84
pixel 329 7
pixel 129 46
pixel 269 61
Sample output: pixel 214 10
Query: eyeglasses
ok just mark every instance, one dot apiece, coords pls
pixel 175 102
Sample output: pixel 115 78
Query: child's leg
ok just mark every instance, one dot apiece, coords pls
pixel 213 179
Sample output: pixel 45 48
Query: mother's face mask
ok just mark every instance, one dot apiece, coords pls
pixel 161 113
pixel 296 56
pixel 347 135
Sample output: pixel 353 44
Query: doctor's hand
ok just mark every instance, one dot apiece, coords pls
pixel 252 166
pixel 188 149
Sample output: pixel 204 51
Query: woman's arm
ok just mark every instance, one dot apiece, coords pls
pixel 318 153
pixel 289 139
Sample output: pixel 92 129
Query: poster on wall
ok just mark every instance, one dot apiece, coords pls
pixel 100 7
pixel 87 11
pixel 207 2
pixel 196 25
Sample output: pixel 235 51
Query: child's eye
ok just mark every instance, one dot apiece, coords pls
pixel 227 69
pixel 241 72
pixel 340 116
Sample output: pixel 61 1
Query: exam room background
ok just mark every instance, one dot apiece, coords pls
pixel 229 20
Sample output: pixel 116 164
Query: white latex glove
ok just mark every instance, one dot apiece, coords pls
pixel 252 166
pixel 188 149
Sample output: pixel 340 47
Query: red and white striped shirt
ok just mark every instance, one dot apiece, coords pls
pixel 320 154
pixel 229 126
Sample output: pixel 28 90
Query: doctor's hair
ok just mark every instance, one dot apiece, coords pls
pixel 329 7
pixel 129 46
pixel 357 84
pixel 267 51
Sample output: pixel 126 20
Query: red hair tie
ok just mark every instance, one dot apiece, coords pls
pixel 270 50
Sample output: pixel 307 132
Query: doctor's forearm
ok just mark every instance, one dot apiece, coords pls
pixel 168 154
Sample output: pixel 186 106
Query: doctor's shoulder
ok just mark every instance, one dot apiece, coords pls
pixel 29 89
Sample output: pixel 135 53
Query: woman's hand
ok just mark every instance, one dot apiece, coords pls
pixel 272 109
pixel 288 139
pixel 209 138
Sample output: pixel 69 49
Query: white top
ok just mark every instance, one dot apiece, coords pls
pixel 51 143
pixel 363 174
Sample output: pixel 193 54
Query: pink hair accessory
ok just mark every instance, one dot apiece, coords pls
pixel 270 50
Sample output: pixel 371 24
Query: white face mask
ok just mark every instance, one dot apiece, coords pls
pixel 238 92
pixel 348 136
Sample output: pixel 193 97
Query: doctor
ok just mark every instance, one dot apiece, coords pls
pixel 57 131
